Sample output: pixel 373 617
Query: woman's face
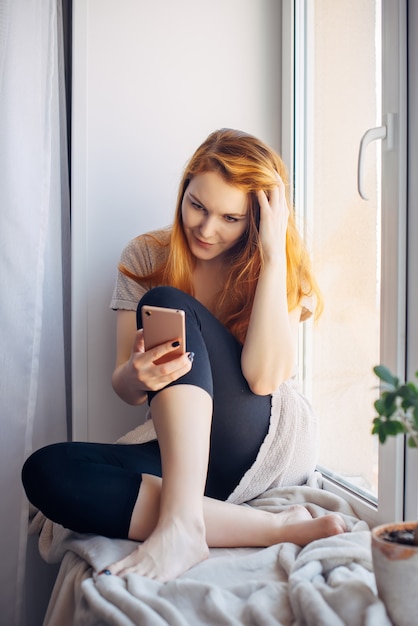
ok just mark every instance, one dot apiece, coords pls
pixel 215 216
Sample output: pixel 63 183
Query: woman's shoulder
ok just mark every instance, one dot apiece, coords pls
pixel 151 247
pixel 150 240
pixel 140 257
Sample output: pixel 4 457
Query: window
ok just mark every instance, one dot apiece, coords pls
pixel 347 68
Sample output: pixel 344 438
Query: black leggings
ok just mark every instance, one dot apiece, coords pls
pixel 93 488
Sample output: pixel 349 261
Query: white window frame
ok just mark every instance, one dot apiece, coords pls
pixel 295 20
pixel 411 485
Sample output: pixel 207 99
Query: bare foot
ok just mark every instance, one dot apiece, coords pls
pixel 169 551
pixel 292 514
pixel 307 530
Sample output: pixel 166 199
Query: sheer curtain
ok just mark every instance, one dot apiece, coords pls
pixel 34 267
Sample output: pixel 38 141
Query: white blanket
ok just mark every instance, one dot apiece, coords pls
pixel 329 582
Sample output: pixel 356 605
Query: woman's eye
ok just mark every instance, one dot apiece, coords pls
pixel 196 206
pixel 230 219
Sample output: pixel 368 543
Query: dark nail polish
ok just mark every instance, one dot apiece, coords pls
pixel 175 344
pixel 107 572
pixel 191 356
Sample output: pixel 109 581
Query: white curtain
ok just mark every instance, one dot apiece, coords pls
pixel 34 251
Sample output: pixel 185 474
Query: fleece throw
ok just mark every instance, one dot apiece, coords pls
pixel 329 582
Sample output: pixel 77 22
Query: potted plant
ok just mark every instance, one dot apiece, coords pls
pixel 395 546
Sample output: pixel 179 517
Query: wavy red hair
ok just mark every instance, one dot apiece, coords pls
pixel 249 164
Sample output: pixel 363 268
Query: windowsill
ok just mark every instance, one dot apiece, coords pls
pixel 362 506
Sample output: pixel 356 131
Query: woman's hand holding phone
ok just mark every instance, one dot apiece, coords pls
pixel 150 375
pixel 159 351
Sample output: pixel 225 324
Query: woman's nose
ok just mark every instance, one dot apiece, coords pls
pixel 207 227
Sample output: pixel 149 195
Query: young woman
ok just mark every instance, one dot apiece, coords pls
pixel 226 419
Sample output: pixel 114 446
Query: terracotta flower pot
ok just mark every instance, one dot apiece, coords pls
pixel 396 571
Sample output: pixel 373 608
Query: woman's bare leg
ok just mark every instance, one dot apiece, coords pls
pixel 176 539
pixel 232 526
pixel 229 525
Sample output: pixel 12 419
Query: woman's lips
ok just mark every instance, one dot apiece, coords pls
pixel 203 244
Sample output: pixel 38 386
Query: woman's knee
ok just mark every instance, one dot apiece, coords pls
pixel 169 297
pixel 163 296
pixel 39 468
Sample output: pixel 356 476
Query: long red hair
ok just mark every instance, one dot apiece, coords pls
pixel 246 162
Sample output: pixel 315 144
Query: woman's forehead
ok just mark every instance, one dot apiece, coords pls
pixel 212 190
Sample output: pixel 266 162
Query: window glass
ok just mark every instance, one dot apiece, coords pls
pixel 342 97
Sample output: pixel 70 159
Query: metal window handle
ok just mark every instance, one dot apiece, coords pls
pixel 379 132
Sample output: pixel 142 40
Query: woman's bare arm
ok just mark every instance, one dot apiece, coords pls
pixel 128 341
pixel 135 371
pixel 269 352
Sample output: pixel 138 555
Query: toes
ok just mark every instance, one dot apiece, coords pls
pixel 105 572
pixel 334 524
pixel 118 567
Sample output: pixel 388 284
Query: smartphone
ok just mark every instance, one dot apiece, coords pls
pixel 160 325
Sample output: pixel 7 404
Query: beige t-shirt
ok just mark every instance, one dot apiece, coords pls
pixel 142 256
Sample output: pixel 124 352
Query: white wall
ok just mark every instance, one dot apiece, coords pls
pixel 150 81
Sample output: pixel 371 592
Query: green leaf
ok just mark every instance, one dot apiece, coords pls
pixel 409 393
pixel 413 388
pixel 393 427
pixel 415 414
pixel 376 426
pixel 389 402
pixel 396 402
pixel 379 405
pixel 385 374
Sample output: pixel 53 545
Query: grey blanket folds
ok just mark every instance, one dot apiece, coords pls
pixel 329 582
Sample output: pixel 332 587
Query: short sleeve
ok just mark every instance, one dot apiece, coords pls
pixel 141 256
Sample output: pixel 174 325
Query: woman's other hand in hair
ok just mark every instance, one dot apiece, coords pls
pixel 274 214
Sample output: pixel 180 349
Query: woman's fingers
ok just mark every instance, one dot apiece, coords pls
pixel 167 351
pixel 138 345
pixel 273 204
pixel 160 365
pixel 274 214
